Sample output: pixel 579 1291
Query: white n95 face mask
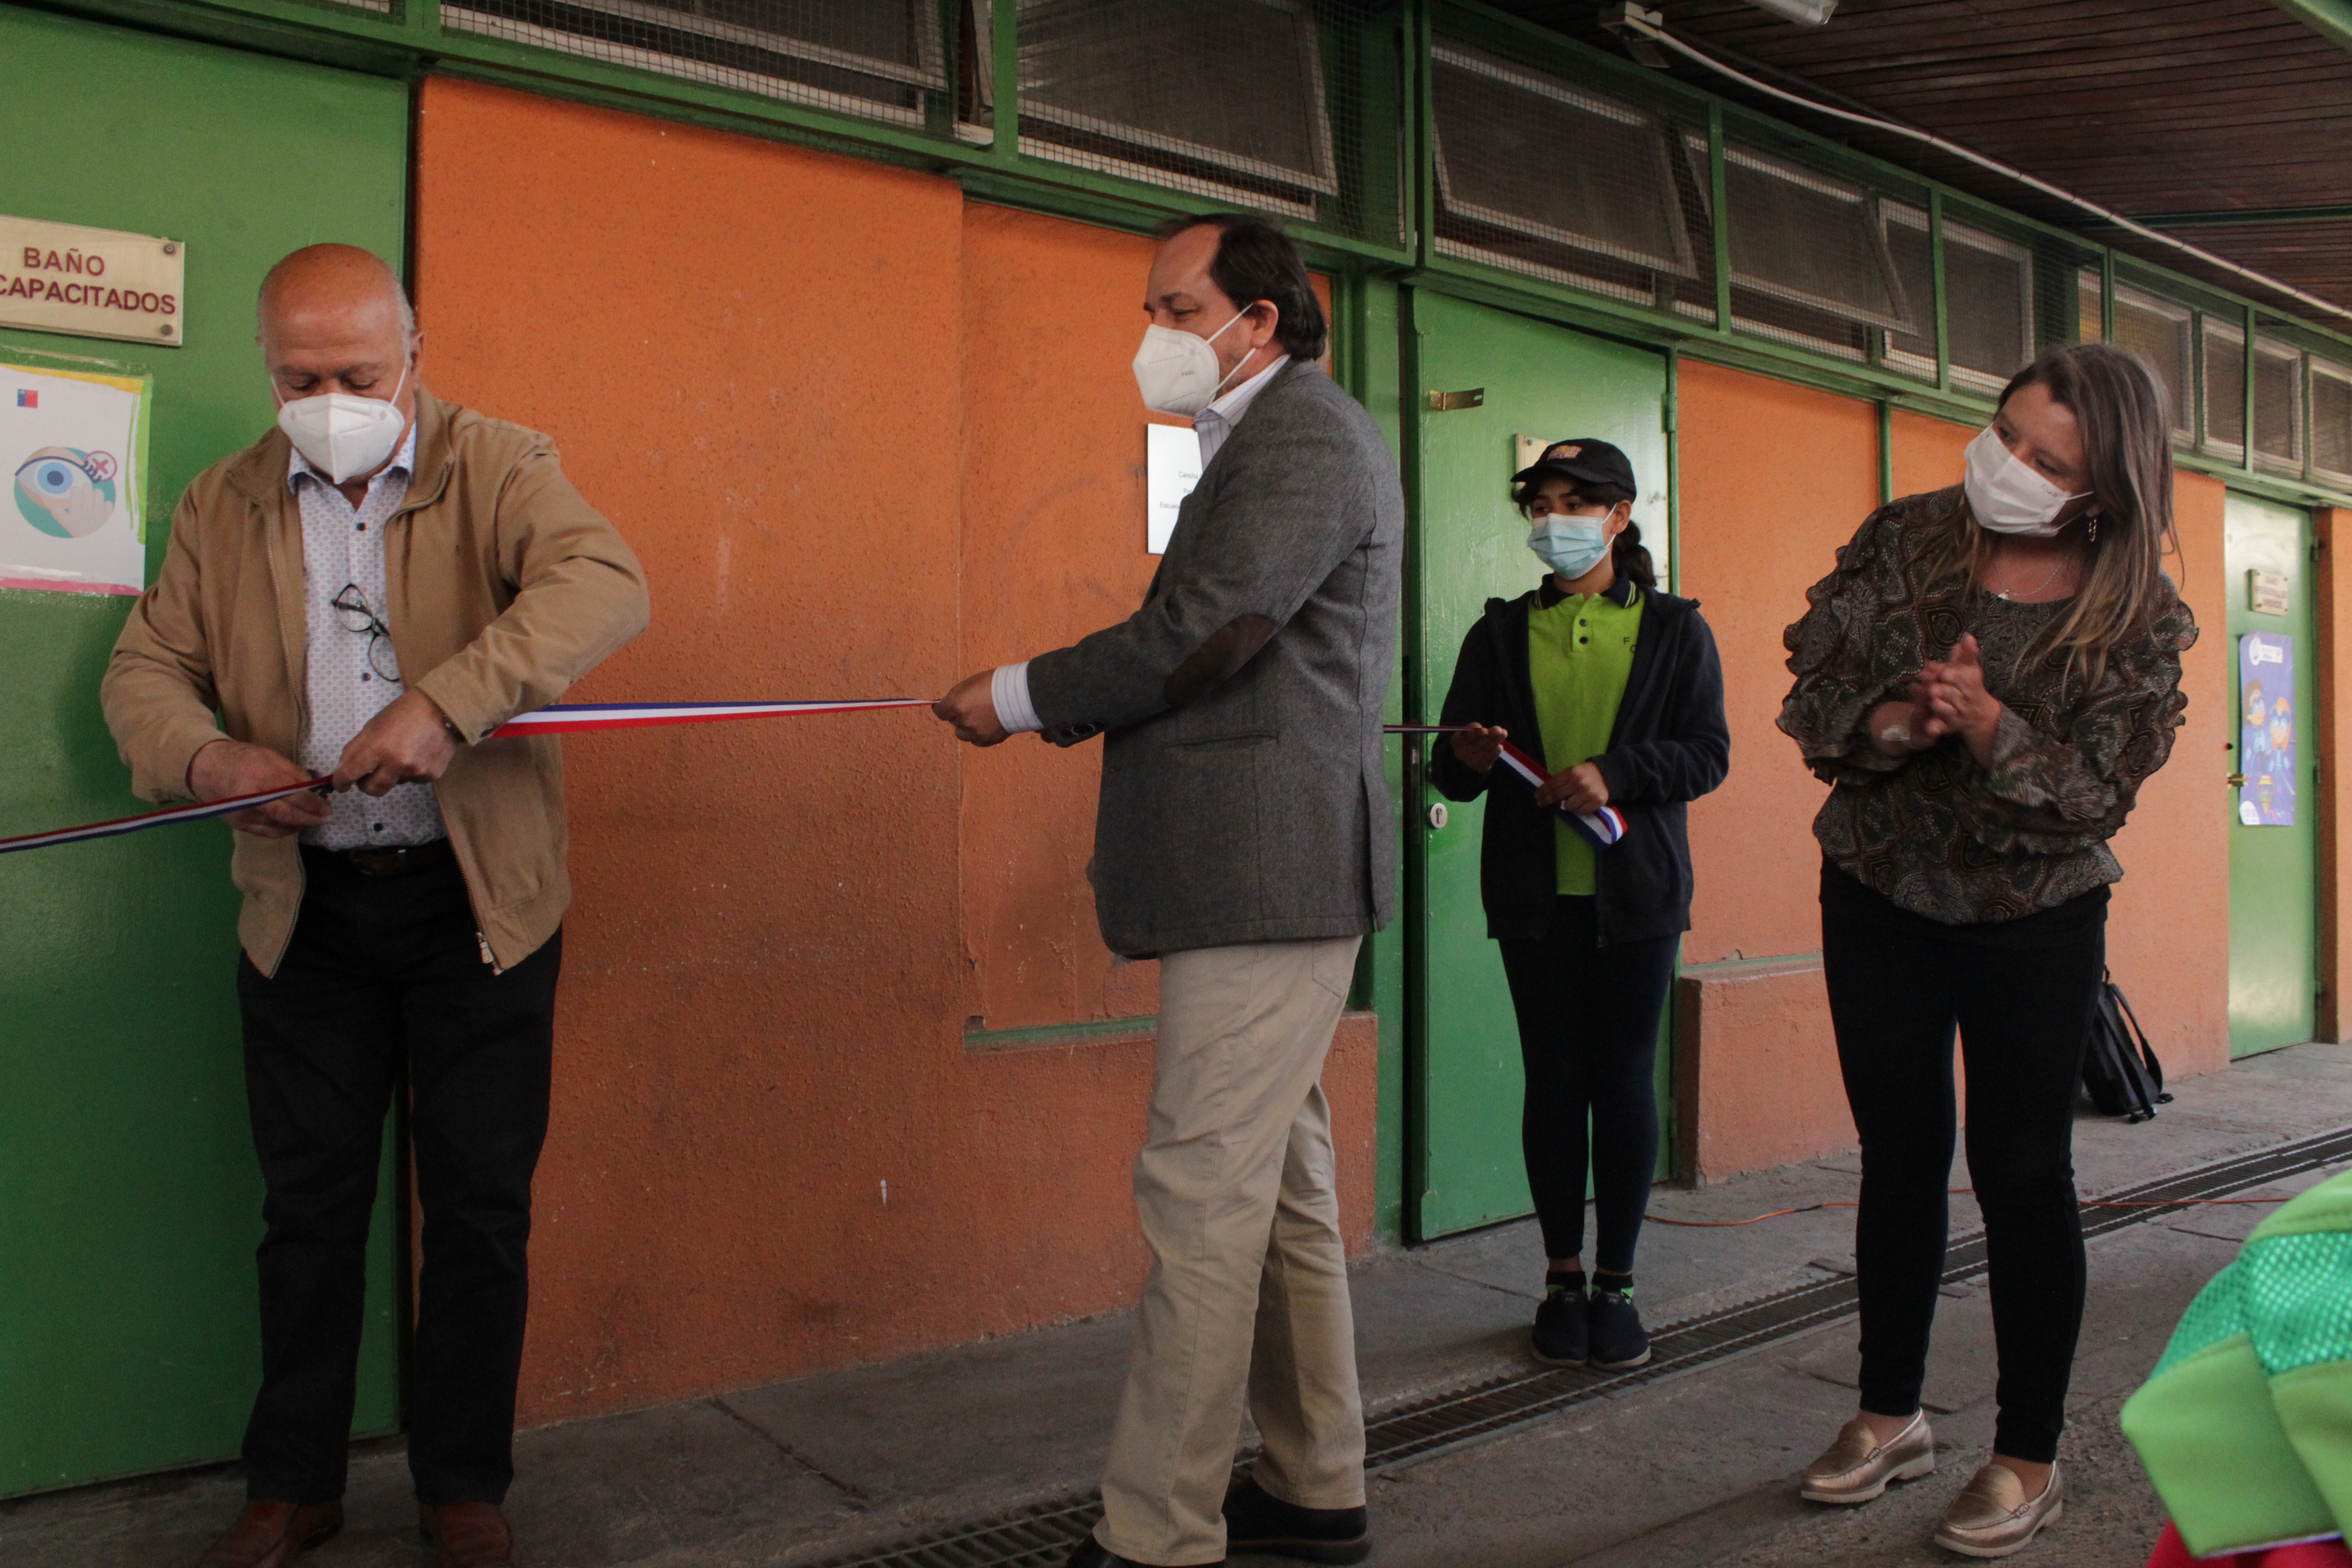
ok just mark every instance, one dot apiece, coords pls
pixel 342 436
pixel 2006 496
pixel 1177 372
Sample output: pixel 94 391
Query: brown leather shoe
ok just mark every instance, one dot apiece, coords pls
pixel 467 1534
pixel 269 1534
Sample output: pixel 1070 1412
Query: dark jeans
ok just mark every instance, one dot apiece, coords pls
pixel 2020 993
pixel 383 972
pixel 1589 1038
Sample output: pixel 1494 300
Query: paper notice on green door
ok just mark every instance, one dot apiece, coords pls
pixel 72 443
pixel 2266 728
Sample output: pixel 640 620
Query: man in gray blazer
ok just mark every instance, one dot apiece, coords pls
pixel 1244 840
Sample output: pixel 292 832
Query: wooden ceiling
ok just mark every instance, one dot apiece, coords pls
pixel 2225 122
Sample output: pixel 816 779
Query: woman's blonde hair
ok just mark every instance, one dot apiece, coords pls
pixel 2128 454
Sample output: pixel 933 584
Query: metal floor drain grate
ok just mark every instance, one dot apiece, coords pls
pixel 1042 1535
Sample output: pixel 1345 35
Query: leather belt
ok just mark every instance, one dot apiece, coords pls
pixel 395 862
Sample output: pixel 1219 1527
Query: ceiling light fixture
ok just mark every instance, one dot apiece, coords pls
pixel 1805 13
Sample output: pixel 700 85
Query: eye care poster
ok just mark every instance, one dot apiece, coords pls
pixel 72 445
pixel 2266 728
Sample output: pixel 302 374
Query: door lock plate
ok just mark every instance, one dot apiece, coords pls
pixel 1437 815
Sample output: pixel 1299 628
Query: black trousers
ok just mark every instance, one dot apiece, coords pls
pixel 383 973
pixel 2020 993
pixel 1588 1038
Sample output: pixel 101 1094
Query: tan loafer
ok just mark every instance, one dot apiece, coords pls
pixel 1993 1517
pixel 1857 1467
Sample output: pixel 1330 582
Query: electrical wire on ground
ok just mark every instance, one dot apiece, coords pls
pixel 1847 1204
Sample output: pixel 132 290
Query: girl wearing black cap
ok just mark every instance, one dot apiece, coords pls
pixel 1612 690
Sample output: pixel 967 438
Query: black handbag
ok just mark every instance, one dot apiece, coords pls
pixel 2120 1072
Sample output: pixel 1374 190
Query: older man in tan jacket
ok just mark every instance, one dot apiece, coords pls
pixel 368 592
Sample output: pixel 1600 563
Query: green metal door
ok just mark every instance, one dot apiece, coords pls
pixel 1548 382
pixel 2273 866
pixel 129 1201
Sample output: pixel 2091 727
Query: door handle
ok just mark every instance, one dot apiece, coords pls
pixel 2237 781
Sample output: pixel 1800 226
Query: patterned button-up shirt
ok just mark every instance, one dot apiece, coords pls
pixel 1934 831
pixel 353 674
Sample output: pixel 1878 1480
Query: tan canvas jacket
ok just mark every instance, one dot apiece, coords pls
pixel 504 586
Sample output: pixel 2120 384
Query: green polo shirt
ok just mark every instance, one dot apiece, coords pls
pixel 1580 652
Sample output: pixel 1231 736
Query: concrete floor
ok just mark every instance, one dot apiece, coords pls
pixel 1691 1469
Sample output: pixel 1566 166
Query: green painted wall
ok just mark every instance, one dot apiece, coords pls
pixel 129 1201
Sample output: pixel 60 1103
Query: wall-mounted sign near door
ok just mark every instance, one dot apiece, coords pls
pixel 92 282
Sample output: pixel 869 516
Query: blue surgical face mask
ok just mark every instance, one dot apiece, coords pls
pixel 1570 545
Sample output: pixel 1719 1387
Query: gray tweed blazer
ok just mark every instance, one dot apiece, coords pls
pixel 1242 794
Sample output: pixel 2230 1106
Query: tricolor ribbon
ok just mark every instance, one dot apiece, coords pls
pixel 555 719
pixel 573 718
pixel 197 813
pixel 1603 828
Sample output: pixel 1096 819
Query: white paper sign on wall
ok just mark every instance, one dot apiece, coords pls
pixel 1171 467
pixel 93 282
pixel 73 447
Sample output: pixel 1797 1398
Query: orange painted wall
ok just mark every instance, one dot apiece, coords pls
pixel 771 367
pixel 1774 478
pixel 1756 1069
pixel 1052 514
pixel 2168 927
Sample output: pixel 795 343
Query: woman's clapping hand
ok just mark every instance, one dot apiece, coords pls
pixel 1952 691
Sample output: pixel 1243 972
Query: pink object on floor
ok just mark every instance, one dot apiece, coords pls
pixel 2171 1553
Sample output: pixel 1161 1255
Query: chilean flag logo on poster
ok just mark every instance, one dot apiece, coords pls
pixel 2266 728
pixel 71 444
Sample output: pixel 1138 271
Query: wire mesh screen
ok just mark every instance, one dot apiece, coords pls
pixel 1987 305
pixel 1990 307
pixel 1287 106
pixel 2331 419
pixel 1810 264
pixel 2090 298
pixel 1808 238
pixel 2225 389
pixel 1909 244
pixel 2278 405
pixel 1553 179
pixel 2158 331
pixel 879 59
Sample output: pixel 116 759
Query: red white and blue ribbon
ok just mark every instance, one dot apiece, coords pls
pixel 556 718
pixel 197 813
pixel 573 718
pixel 1603 828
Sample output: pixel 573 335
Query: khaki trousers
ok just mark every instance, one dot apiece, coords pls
pixel 1248 1295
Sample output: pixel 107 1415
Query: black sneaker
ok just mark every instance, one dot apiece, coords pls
pixel 1258 1521
pixel 1560 1336
pixel 1619 1340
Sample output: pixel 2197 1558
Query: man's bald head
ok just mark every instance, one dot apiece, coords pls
pixel 332 279
pixel 333 318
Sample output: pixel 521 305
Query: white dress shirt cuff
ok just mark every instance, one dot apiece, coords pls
pixel 1009 687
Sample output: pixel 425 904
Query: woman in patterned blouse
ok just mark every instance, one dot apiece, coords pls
pixel 1987 678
